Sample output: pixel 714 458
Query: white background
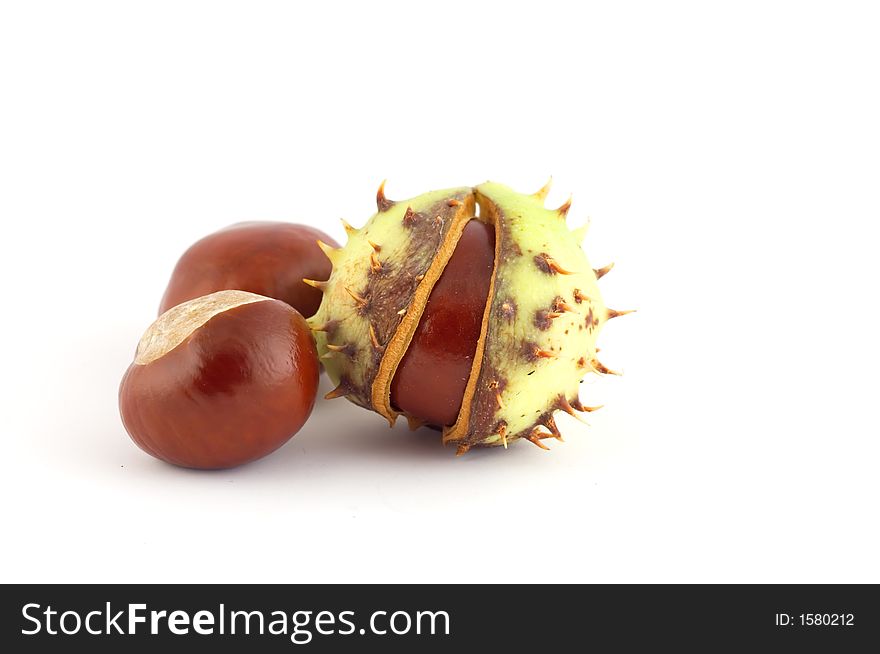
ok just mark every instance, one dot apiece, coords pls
pixel 726 153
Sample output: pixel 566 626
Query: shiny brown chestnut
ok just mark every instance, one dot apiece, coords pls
pixel 220 380
pixel 267 258
pixel 441 352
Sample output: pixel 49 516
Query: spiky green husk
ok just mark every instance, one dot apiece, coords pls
pixel 385 269
pixel 543 313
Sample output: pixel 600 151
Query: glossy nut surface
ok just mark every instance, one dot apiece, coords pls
pixel 431 378
pixel 267 258
pixel 220 392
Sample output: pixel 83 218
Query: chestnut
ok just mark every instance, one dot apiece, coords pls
pixel 267 258
pixel 220 380
pixel 441 353
pixel 471 309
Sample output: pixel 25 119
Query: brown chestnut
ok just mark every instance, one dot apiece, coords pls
pixel 220 380
pixel 267 258
pixel 441 352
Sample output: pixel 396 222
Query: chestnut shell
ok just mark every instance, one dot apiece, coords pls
pixel 540 323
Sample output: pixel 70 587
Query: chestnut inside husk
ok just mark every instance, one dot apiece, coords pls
pixel 486 342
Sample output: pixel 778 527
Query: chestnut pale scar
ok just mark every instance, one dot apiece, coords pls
pixel 175 325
